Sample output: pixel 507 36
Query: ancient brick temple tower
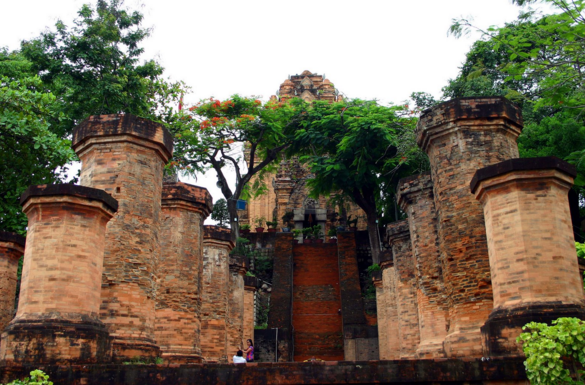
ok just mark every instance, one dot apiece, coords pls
pixel 286 190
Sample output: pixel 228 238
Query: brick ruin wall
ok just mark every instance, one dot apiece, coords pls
pixel 444 290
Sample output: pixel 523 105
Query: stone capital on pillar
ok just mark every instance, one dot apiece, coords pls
pixel 11 249
pixel 187 197
pixel 108 129
pixel 57 318
pixel 535 272
pixel 483 113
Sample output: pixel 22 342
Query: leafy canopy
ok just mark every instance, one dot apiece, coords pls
pixel 93 66
pixel 30 152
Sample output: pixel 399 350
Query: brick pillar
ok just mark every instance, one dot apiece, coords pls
pixel 125 155
pixel 11 249
pixel 251 285
pixel 461 136
pixel 178 302
pixel 415 196
pixel 388 331
pixel 531 246
pixel 398 237
pixel 382 315
pixel 57 318
pixel 217 245
pixel 235 319
pixel 281 299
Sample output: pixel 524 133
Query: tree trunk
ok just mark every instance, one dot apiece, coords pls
pixel 233 213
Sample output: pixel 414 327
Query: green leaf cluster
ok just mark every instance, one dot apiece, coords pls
pixel 37 377
pixel 30 151
pixel 555 354
pixel 93 66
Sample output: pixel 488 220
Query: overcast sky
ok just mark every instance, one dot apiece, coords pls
pixel 382 49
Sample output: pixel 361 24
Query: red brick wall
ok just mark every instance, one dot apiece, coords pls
pixel 178 305
pixel 317 323
pixel 461 136
pixel 415 196
pixel 125 155
pixel 11 249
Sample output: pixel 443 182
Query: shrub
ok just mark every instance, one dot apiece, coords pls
pixel 554 354
pixel 37 377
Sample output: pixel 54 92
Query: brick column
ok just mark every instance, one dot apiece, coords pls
pixel 531 247
pixel 217 245
pixel 11 249
pixel 461 136
pixel 178 302
pixel 388 334
pixel 281 299
pixel 125 155
pixel 415 196
pixel 398 236
pixel 251 285
pixel 57 319
pixel 235 319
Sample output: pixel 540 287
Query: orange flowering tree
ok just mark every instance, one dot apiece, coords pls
pixel 215 134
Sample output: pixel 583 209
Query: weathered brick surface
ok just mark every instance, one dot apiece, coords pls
pixel 124 155
pixel 57 318
pixel 358 336
pixel 215 295
pixel 178 304
pixel 415 196
pixel 235 319
pixel 461 136
pixel 316 302
pixel 251 285
pixel 531 246
pixel 11 249
pixel 388 331
pixel 281 300
pixel 398 237
pixel 444 371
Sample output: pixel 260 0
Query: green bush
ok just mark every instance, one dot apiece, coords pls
pixel 554 354
pixel 37 377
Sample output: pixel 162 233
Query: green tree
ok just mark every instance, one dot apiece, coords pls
pixel 93 67
pixel 215 134
pixel 30 153
pixel 536 61
pixel 358 147
pixel 220 212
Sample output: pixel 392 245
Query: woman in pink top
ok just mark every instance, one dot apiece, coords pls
pixel 249 352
